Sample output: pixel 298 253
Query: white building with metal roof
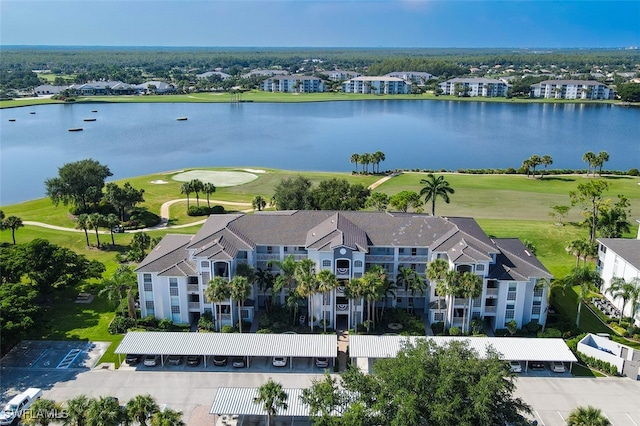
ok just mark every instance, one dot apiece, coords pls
pixel 173 277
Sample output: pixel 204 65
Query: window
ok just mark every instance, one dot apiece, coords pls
pixel 175 309
pixel 286 249
pixel 269 249
pixel 401 250
pixel 513 286
pixel 173 286
pixel 357 263
pixel 204 264
pixel 147 282
pixel 414 251
pixel 150 308
pixel 326 263
pixel 479 268
pixel 536 308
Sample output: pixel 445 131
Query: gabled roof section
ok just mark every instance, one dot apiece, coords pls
pixel 337 231
pixel 516 263
pixel 222 247
pixel 169 252
pixel 214 223
pixel 184 268
pixel 465 242
pixel 626 248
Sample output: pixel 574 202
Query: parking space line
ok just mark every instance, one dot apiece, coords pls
pixel 561 416
pixel 38 359
pixel 607 417
pixel 539 417
pixel 636 424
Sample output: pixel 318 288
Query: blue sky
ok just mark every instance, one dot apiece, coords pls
pixel 343 23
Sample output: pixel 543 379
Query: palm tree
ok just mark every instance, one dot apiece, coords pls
pixel 587 416
pixel 435 187
pixel 327 281
pixel 259 203
pixel 578 248
pixel 208 188
pixel 365 159
pixel 354 291
pixel 449 287
pixel 535 161
pixel 77 411
pixel 186 189
pixel 372 282
pixel 411 281
pixel 526 166
pixel 378 156
pixel 584 277
pixel 142 241
pixel 240 290
pixel 218 291
pixel 82 222
pixel 167 417
pixel 13 223
pixel 104 411
pixel 437 271
pixel 635 282
pixel 95 222
pixel 286 278
pixel 546 161
pixel 355 158
pixel 619 288
pixel 111 221
pixel 470 288
pixel 305 276
pixel 197 186
pixel 589 158
pixel 601 158
pixel 122 279
pixel 142 407
pixel 272 397
pixel 265 280
pixel 42 412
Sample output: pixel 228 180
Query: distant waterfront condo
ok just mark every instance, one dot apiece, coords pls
pixel 476 86
pixel 264 73
pixel 377 85
pixel 571 89
pixel 223 75
pixel 159 87
pixel 172 279
pixel 340 75
pixel 47 89
pixel 293 84
pixel 94 88
pixel 417 77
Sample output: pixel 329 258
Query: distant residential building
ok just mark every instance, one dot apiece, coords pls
pixel 416 77
pixel 341 75
pixel 223 75
pixel 474 86
pixel 47 89
pixel 95 88
pixel 571 89
pixel 293 84
pixel 159 87
pixel 264 73
pixel 378 85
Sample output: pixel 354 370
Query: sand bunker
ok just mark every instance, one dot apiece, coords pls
pixel 254 170
pixel 159 182
pixel 219 179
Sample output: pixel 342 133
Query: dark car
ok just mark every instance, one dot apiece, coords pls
pixel 239 362
pixel 194 360
pixel 536 365
pixel 133 359
pixel 220 360
pixel 322 362
pixel 174 360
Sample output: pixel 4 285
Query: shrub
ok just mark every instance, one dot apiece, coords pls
pixel 550 332
pixel 165 324
pixel 142 218
pixel 227 329
pixel 204 210
pixel 206 321
pixel 633 172
pixel 149 322
pixel 264 331
pixel 532 326
pixel 454 331
pixel 120 324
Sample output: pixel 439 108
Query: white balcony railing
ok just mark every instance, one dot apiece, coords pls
pixel 413 259
pixel 194 305
pixel 490 309
pixel 373 258
pixel 492 292
pixel 192 288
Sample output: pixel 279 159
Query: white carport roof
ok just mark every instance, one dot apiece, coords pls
pixel 230 344
pixel 240 401
pixel 511 348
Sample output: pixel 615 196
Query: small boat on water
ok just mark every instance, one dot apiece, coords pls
pixel 12 119
pixel 94 110
pixel 32 112
pixel 76 129
pixel 90 119
pixel 181 118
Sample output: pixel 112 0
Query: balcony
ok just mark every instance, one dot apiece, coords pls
pixel 342 307
pixel 413 259
pixel 492 292
pixel 192 288
pixel 490 309
pixel 265 257
pixel 372 258
pixel 194 306
pixel 460 301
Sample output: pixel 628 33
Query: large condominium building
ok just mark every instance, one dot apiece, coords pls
pixel 416 77
pixel 293 84
pixel 340 75
pixel 571 89
pixel 476 86
pixel 377 85
pixel 173 277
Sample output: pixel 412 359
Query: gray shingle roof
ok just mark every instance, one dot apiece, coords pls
pixel 515 262
pixel 169 252
pixel 626 248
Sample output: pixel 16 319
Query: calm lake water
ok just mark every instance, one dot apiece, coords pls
pixel 136 139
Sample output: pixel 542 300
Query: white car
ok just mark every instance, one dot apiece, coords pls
pixel 322 362
pixel 279 361
pixel 515 366
pixel 557 367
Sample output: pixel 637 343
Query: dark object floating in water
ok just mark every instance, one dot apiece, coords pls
pixel 12 119
pixel 94 110
pixel 90 119
pixel 181 118
pixel 32 112
pixel 75 129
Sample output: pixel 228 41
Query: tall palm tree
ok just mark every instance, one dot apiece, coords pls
pixel 272 397
pixel 13 223
pixel 208 188
pixel 355 158
pixel 111 221
pixel 378 156
pixel 450 287
pixel 77 411
pixel 535 161
pixel 121 280
pixel 372 282
pixel 167 417
pixel 95 222
pixel 142 241
pixel 635 282
pixel 286 277
pixel 546 161
pixel 104 411
pixel 365 159
pixel 411 281
pixel 42 412
pixel 240 290
pixel 142 407
pixel 578 248
pixel 589 158
pixel 197 186
pixel 619 288
pixel 436 271
pixel 601 158
pixel 587 416
pixel 305 276
pixel 82 222
pixel 584 277
pixel 526 166
pixel 265 280
pixel 354 291
pixel 327 281
pixel 259 203
pixel 435 187
pixel 218 291
pixel 186 189
pixel 470 288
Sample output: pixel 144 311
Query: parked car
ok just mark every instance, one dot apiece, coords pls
pixel 239 362
pixel 515 366
pixel 194 360
pixel 174 359
pixel 322 362
pixel 536 365
pixel 133 359
pixel 19 403
pixel 557 367
pixel 279 361
pixel 151 360
pixel 219 360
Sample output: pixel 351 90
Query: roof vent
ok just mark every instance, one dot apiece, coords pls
pixel 527 253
